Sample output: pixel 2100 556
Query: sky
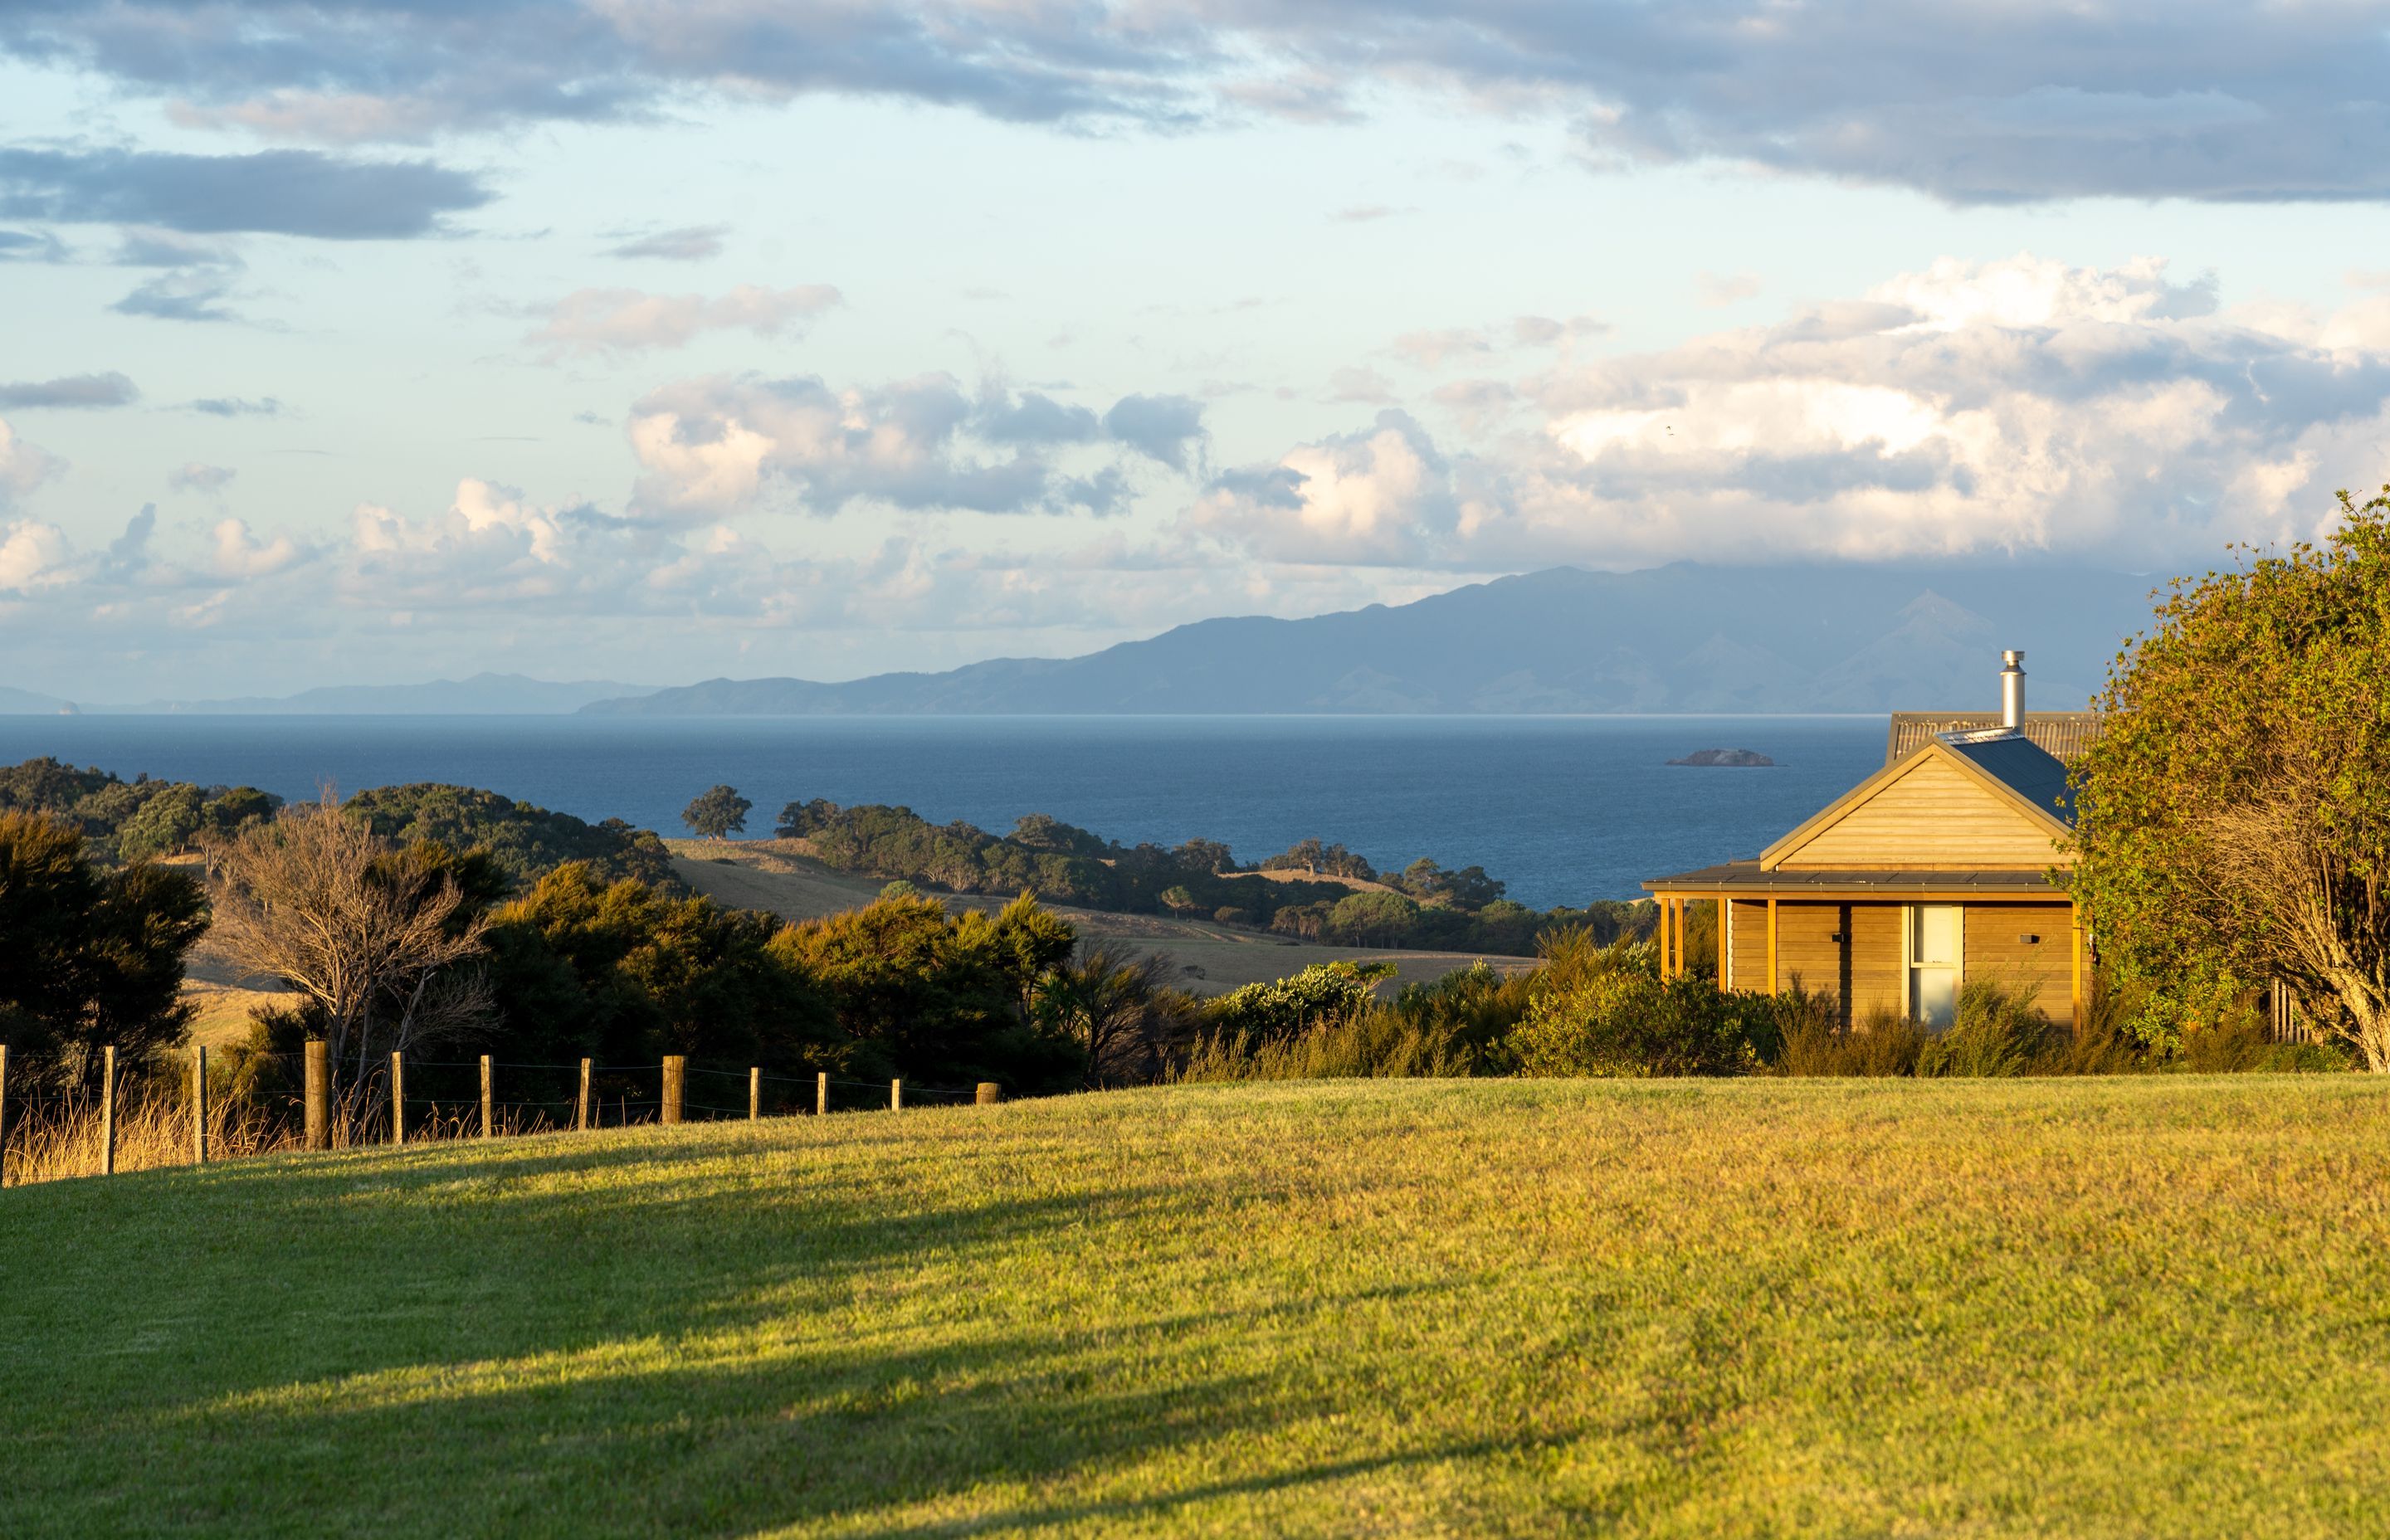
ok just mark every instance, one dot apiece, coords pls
pixel 663 339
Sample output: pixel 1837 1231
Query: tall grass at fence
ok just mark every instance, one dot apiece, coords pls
pixel 63 1139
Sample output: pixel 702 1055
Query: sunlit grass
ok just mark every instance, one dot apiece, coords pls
pixel 2130 1306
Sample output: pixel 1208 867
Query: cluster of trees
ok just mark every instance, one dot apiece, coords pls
pixel 409 942
pixel 90 957
pixel 2233 818
pixel 521 840
pixel 124 821
pixel 1426 906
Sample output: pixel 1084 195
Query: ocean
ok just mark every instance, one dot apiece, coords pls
pixel 1562 809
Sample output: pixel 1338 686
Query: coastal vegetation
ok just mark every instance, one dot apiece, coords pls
pixel 89 957
pixel 1314 891
pixel 2234 826
pixel 523 841
pixel 124 821
pixel 2132 1307
pixel 716 814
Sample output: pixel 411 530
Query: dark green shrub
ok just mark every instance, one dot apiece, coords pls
pixel 1625 1022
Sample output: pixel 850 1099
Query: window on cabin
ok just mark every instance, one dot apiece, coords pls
pixel 1934 940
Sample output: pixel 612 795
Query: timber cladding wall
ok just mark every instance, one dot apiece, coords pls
pixel 1879 960
pixel 1935 807
pixel 1858 953
pixel 1995 950
pixel 1863 970
pixel 1806 946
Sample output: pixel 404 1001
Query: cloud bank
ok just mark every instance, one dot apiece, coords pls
pixel 1972 103
pixel 626 320
pixel 723 445
pixel 290 192
pixel 2013 406
pixel 82 391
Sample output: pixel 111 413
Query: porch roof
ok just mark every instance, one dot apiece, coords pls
pixel 1748 878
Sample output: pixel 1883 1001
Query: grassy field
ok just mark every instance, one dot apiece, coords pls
pixel 2133 1306
pixel 1207 958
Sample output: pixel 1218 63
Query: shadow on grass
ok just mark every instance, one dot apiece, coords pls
pixel 602 1337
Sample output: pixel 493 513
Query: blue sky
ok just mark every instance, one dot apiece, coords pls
pixel 655 340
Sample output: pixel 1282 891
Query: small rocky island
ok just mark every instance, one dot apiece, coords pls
pixel 1736 759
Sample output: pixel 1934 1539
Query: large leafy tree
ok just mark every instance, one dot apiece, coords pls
pixel 2234 816
pixel 87 958
pixel 717 813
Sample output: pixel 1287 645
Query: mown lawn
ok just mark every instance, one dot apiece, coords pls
pixel 2138 1306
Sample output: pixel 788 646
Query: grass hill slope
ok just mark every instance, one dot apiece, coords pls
pixel 2125 1307
pixel 1207 958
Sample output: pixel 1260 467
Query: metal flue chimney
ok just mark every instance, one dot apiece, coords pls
pixel 2012 690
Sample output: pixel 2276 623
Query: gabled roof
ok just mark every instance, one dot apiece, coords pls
pixel 1748 877
pixel 2016 771
pixel 2023 766
pixel 2065 734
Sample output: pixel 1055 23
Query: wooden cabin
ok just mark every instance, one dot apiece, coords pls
pixel 1946 864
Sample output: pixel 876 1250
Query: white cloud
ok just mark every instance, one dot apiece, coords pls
pixel 2019 404
pixel 237 553
pixel 23 467
pixel 196 476
pixel 624 320
pixel 34 556
pixel 722 444
pixel 1382 497
pixel 1717 290
pixel 1433 350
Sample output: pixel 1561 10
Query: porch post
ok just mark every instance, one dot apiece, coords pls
pixel 2074 959
pixel 1724 909
pixel 1772 943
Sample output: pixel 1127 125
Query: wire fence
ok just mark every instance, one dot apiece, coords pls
pixel 242 1104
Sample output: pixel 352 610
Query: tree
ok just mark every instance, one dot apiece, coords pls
pixel 1118 1008
pixel 622 972
pixel 164 824
pixel 717 815
pixel 2233 818
pixel 377 937
pixel 944 998
pixel 87 958
pixel 1373 918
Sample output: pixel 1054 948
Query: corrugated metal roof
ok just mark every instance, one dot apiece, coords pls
pixel 2064 734
pixel 1748 877
pixel 2019 764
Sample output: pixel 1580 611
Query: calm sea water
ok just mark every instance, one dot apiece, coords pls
pixel 1563 809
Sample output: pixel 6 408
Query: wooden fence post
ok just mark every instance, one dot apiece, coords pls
pixel 895 1095
pixel 754 1092
pixel 397 1099
pixel 4 1114
pixel 319 1099
pixel 675 1067
pixel 200 1105
pixel 489 1108
pixel 581 1104
pixel 821 1093
pixel 990 1093
pixel 107 1110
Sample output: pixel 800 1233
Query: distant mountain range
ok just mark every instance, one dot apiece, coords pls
pixel 482 695
pixel 1682 638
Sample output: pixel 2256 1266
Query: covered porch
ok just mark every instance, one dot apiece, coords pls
pixel 1901 939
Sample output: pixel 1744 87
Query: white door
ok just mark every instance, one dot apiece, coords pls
pixel 1934 952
